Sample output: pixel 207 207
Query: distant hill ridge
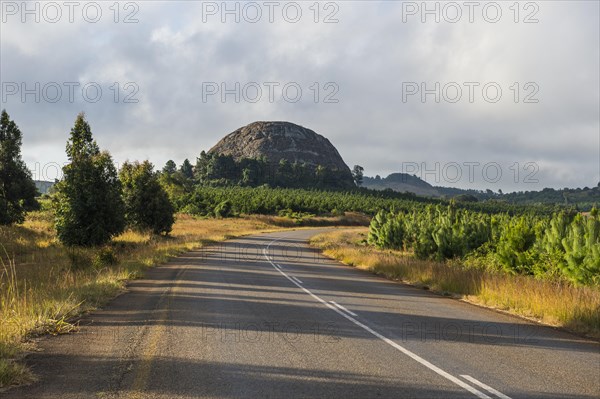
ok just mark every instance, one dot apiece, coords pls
pixel 585 198
pixel 43 186
pixel 401 182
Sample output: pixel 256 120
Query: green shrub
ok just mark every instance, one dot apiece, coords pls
pixel 223 209
pixel 105 256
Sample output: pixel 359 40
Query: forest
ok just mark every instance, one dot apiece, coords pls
pixel 564 245
pixel 227 201
pixel 219 170
pixel 583 199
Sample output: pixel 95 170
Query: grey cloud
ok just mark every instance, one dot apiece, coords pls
pixel 171 52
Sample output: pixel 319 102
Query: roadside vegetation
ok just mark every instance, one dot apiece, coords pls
pixel 562 247
pixel 557 302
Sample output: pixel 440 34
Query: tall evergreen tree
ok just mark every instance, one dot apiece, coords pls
pixel 320 175
pixel 357 175
pixel 187 170
pixel 147 205
pixel 285 175
pixel 88 206
pixel 17 189
pixel 170 167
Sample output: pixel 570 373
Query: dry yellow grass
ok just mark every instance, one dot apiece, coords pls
pixel 553 303
pixel 43 285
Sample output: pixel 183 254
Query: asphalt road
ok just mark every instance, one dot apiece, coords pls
pixel 267 317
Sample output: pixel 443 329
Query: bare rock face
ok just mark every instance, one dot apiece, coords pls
pixel 283 140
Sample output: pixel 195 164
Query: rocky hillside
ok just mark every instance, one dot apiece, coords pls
pixel 283 140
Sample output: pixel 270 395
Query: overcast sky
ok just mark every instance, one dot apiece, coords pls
pixel 361 67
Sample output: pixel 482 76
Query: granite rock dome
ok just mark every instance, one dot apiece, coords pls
pixel 283 140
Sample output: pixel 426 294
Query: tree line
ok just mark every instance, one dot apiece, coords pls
pixel 226 201
pixel 93 202
pixel 224 170
pixel 209 201
pixel 583 199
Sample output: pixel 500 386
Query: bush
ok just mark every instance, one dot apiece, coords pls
pixel 515 246
pixel 104 257
pixel 223 209
pixel 79 258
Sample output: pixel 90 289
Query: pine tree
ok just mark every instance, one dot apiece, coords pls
pixel 170 167
pixel 376 234
pixel 187 170
pixel 582 249
pixel 248 176
pixel 88 206
pixel 147 205
pixel 357 175
pixel 17 189
pixel 321 175
pixel 515 249
pixel 285 175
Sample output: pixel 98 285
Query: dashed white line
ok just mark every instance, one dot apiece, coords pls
pixel 337 305
pixel 388 341
pixel 486 387
pixel 296 279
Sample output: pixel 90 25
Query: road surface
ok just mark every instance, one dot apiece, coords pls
pixel 267 317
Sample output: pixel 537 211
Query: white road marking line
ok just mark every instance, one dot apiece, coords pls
pixel 343 308
pixel 486 387
pixel 388 341
pixel 296 279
